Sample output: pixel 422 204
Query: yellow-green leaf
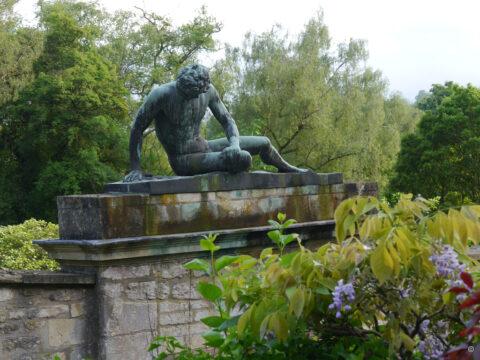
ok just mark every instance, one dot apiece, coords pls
pixel 243 321
pixel 265 252
pixel 395 259
pixel 407 341
pixel 381 263
pixel 297 302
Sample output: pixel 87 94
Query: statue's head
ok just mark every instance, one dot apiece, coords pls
pixel 193 80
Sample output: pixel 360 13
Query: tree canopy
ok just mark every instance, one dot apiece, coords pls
pixel 442 155
pixel 19 47
pixel 322 107
pixel 67 132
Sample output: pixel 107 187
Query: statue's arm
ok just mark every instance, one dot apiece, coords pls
pixel 223 116
pixel 143 118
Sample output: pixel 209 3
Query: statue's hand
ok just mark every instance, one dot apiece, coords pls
pixel 232 153
pixel 135 175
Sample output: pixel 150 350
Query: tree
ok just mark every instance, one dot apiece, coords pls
pixel 19 47
pixel 430 101
pixel 442 155
pixel 67 132
pixel 322 108
pixel 148 49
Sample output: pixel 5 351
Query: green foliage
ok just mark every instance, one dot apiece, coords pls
pixel 320 107
pixel 171 347
pixel 67 132
pixel 19 47
pixel 385 254
pixel 430 101
pixel 441 157
pixel 17 252
pixel 148 49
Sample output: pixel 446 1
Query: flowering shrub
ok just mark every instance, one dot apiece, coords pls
pixel 17 252
pixel 379 291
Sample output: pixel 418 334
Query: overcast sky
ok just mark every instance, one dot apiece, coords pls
pixel 414 43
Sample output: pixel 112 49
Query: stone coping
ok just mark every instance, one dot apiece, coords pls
pixel 44 277
pixel 99 251
pixel 220 181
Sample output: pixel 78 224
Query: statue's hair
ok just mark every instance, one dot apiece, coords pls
pixel 191 78
pixel 192 70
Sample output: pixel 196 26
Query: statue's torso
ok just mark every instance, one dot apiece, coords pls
pixel 178 123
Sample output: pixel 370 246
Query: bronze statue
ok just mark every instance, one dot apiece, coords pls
pixel 177 109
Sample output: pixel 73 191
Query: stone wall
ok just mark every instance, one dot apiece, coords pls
pixel 141 302
pixel 43 314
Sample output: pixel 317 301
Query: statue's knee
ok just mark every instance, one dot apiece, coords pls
pixel 245 160
pixel 266 144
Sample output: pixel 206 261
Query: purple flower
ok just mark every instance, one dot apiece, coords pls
pixel 343 292
pixel 408 292
pixel 447 263
pixel 431 346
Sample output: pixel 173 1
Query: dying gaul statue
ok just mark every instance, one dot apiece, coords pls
pixel 177 109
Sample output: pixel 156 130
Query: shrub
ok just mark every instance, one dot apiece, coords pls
pixel 379 291
pixel 17 251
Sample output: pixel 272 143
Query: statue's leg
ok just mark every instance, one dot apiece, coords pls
pixel 258 145
pixel 201 163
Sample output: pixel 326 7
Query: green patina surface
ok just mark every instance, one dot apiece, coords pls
pixel 234 211
pixel 119 216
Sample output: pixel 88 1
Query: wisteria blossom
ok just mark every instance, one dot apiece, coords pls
pixel 448 266
pixel 447 263
pixel 431 346
pixel 342 293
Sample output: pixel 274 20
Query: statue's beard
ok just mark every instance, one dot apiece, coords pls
pixel 191 88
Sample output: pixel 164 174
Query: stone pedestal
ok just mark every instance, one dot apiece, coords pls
pixel 136 237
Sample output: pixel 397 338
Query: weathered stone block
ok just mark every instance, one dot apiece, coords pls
pixel 163 290
pixel 52 311
pixel 174 318
pixel 200 304
pixel 77 310
pixel 141 290
pixel 9 328
pixel 112 290
pixel 126 346
pixel 128 317
pixel 185 290
pixel 170 270
pixel 125 272
pixel 64 332
pixel 173 330
pixel 17 314
pixel 6 294
pixel 167 306
pixel 34 324
pixel 22 342
pixel 68 294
